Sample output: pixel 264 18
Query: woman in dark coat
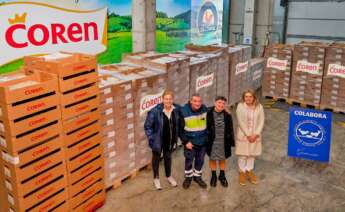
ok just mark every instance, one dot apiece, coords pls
pixel 220 139
pixel 161 129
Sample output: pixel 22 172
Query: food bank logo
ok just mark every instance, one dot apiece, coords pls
pixel 36 28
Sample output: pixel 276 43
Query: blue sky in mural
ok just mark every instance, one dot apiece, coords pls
pixel 173 7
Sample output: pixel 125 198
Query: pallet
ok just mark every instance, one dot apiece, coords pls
pixel 333 109
pixel 303 104
pixel 117 183
pixel 145 167
pixel 276 99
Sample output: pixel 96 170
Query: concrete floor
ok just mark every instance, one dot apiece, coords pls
pixel 285 184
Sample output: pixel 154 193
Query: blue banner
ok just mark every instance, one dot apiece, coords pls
pixel 310 134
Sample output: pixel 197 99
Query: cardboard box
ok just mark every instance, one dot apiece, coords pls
pixel 80 121
pixel 75 149
pixel 86 169
pixel 13 145
pixel 72 110
pixel 86 194
pixel 21 173
pixel 79 95
pixel 74 137
pixel 93 203
pixel 73 70
pixel 23 188
pixel 52 191
pixel 256 73
pixel 139 58
pixel 19 86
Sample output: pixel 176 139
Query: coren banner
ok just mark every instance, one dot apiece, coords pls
pixel 29 28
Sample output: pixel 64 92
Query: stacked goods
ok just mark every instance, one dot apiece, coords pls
pixel 219 62
pixel 202 77
pixel 139 58
pixel 239 57
pixel 277 72
pixel 256 73
pixel 177 69
pixel 79 93
pixel 120 157
pixel 33 172
pixel 333 85
pixel 148 87
pixel 307 73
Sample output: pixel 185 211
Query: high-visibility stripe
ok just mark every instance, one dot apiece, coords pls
pixel 195 123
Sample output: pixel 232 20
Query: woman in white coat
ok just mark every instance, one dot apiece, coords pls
pixel 250 117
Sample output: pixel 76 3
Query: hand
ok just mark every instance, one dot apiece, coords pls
pixel 189 145
pixel 251 138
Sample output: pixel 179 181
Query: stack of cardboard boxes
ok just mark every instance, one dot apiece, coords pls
pixel 307 73
pixel 277 74
pixel 256 73
pixel 333 86
pixel 32 173
pixel 239 75
pixel 80 102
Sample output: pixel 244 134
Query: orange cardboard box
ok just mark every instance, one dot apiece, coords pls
pixel 86 169
pixel 92 204
pixel 23 158
pixel 16 128
pixel 39 197
pixel 13 112
pixel 23 173
pixel 84 157
pixel 79 186
pixel 12 145
pixel 81 121
pixel 79 95
pixel 70 68
pixel 87 194
pixel 76 136
pixel 22 188
pixel 76 149
pixel 19 86
pixel 76 109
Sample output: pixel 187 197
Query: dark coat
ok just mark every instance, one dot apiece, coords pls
pixel 154 127
pixel 229 139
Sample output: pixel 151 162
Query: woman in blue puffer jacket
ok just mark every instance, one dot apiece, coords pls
pixel 161 129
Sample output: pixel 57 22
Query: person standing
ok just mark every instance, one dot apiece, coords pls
pixel 161 129
pixel 220 139
pixel 193 134
pixel 251 118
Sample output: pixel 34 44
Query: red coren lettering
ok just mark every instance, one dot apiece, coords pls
pixel 33 91
pixel 151 102
pixel 35 107
pixel 35 122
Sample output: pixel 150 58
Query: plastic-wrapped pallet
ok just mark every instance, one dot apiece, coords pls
pixel 307 73
pixel 219 61
pixel 256 72
pixel 239 57
pixel 177 69
pixel 277 74
pixel 333 85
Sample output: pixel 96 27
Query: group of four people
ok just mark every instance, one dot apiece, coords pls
pixel 203 131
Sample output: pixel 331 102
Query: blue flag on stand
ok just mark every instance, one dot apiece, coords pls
pixel 310 134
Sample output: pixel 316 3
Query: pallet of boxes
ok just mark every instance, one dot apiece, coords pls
pixel 33 173
pixel 333 85
pixel 277 74
pixel 80 102
pixel 239 71
pixel 307 73
pixel 256 73
pixel 119 144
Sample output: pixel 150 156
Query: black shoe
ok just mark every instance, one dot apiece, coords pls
pixel 186 183
pixel 223 180
pixel 200 182
pixel 213 182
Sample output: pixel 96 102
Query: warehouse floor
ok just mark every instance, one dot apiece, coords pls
pixel 285 184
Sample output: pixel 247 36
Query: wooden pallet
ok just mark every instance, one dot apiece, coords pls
pixel 332 109
pixel 302 104
pixel 276 99
pixel 117 183
pixel 147 166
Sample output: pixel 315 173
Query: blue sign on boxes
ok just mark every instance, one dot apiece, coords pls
pixel 310 134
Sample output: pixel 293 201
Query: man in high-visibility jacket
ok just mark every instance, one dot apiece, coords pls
pixel 193 134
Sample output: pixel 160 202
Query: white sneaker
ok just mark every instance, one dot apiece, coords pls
pixel 172 181
pixel 157 184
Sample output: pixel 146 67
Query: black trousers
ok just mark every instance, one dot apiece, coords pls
pixel 156 156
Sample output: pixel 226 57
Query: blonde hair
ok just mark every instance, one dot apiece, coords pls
pixel 167 93
pixel 252 92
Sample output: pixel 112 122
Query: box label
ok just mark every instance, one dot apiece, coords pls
pixel 336 70
pixel 311 68
pixel 277 64
pixel 150 101
pixel 204 81
pixel 242 67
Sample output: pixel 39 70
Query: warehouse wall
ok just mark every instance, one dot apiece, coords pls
pixel 264 21
pixel 320 20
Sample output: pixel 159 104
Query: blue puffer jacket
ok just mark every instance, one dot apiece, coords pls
pixel 193 125
pixel 154 126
